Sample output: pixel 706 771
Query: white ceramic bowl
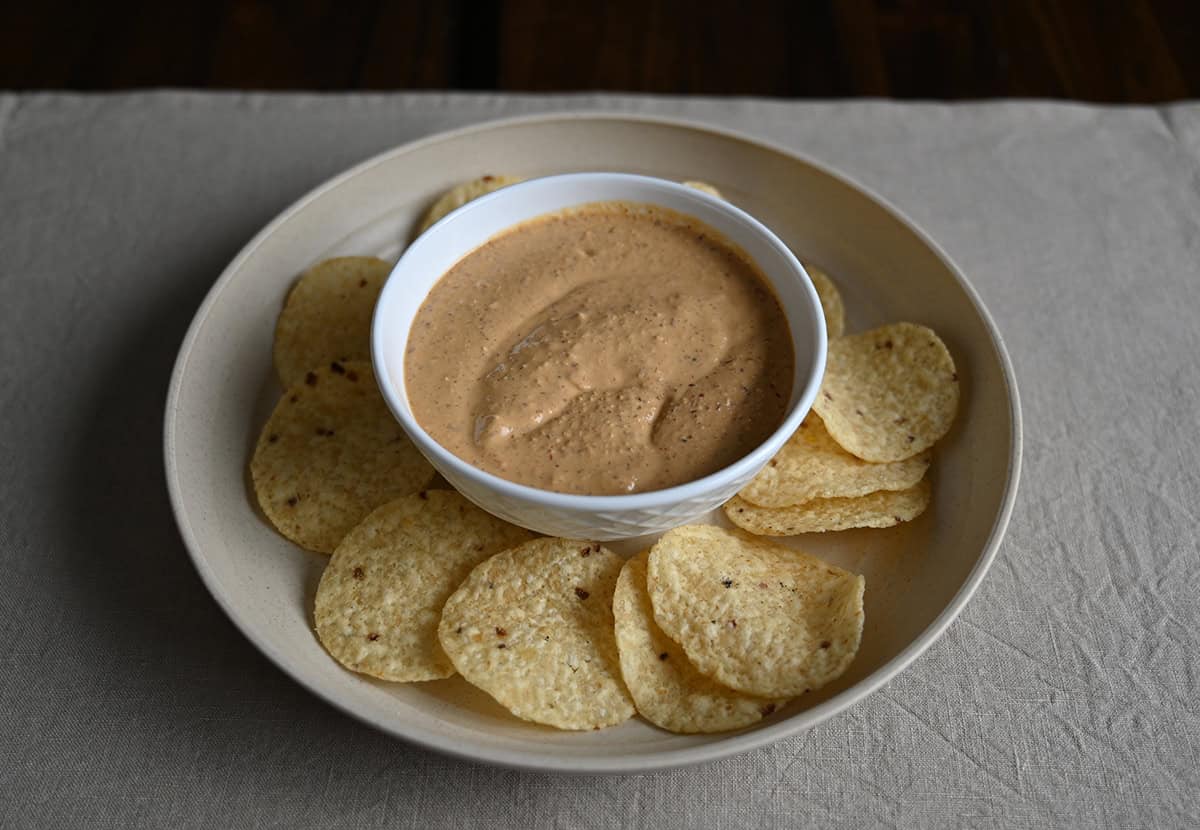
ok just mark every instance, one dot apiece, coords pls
pixel 581 516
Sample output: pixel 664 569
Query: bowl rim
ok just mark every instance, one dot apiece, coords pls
pixel 547 761
pixel 747 465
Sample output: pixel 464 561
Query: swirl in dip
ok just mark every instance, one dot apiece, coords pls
pixel 610 348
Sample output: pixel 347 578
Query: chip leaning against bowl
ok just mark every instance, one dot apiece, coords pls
pixel 606 349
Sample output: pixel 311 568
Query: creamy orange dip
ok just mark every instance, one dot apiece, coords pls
pixel 612 348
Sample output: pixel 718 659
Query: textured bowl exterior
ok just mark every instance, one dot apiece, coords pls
pixel 596 524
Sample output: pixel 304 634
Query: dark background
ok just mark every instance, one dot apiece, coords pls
pixel 1135 51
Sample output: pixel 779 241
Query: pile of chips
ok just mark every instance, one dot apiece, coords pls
pixel 708 630
pixel 861 456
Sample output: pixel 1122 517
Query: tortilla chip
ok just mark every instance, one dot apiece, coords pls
pixel 381 595
pixel 885 508
pixel 331 453
pixel 533 627
pixel 811 465
pixel 667 689
pixel 752 615
pixel 889 393
pixel 327 316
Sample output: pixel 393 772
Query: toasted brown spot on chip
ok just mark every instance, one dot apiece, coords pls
pixel 310 379
pixel 582 594
pixel 337 368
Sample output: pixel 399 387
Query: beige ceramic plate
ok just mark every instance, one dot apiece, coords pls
pixel 919 576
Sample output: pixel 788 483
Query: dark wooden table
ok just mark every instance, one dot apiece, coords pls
pixel 1135 51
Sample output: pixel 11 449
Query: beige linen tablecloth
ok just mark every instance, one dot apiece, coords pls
pixel 1066 694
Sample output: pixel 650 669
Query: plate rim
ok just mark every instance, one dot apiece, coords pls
pixel 667 759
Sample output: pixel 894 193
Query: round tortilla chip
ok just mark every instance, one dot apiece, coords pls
pixel 533 627
pixel 459 195
pixel 381 595
pixel 889 393
pixel 885 508
pixel 327 315
pixel 831 301
pixel 704 187
pixel 755 616
pixel 811 465
pixel 667 689
pixel 331 453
